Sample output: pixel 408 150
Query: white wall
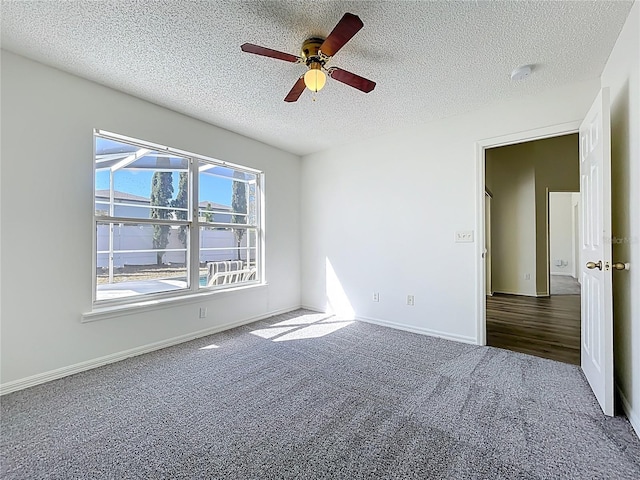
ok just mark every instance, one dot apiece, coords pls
pixel 622 76
pixel 48 119
pixel 561 233
pixel 408 192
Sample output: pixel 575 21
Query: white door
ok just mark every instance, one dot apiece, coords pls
pixel 595 251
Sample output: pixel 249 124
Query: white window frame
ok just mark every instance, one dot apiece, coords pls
pixel 193 222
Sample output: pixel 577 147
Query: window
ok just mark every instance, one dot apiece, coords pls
pixel 170 223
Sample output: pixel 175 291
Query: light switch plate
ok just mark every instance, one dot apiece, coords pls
pixel 464 236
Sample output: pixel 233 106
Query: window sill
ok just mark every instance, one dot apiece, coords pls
pixel 113 311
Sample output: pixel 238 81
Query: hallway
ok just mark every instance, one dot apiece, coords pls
pixel 547 327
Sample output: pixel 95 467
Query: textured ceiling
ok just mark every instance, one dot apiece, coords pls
pixel 430 59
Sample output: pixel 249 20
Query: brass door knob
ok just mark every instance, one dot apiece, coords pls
pixel 592 265
pixel 620 266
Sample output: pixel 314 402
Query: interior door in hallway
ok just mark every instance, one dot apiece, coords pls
pixel 597 309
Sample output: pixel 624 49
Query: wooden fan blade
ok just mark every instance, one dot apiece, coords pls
pixel 346 28
pixel 296 91
pixel 351 79
pixel 268 52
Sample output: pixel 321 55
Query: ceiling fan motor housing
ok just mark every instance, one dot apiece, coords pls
pixel 311 52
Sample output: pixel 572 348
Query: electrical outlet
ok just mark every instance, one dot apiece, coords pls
pixel 203 312
pixel 376 297
pixel 527 276
pixel 410 300
pixel 464 236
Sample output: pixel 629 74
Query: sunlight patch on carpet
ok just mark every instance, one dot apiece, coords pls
pixel 303 320
pixel 313 331
pixel 272 332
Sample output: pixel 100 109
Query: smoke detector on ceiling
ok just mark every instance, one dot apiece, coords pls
pixel 521 72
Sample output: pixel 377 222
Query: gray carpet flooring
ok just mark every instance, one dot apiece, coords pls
pixel 304 395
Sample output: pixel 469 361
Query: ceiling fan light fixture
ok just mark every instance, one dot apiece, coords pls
pixel 315 79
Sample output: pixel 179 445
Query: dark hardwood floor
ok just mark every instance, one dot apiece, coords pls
pixel 547 327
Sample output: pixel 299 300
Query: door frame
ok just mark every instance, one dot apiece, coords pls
pixel 481 146
pixel 488 197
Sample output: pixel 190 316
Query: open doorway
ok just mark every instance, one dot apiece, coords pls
pixel 564 243
pixel 522 312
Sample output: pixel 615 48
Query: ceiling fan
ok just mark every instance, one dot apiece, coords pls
pixel 316 52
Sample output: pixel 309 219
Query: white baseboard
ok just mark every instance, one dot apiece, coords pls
pixel 406 328
pixel 633 416
pixel 516 293
pixel 44 377
pixel 314 308
pixel 562 274
pixel 423 331
pixel 532 295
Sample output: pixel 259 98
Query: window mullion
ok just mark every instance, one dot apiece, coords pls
pixel 194 228
pixel 260 211
pixel 232 226
pixel 142 221
pixel 111 213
